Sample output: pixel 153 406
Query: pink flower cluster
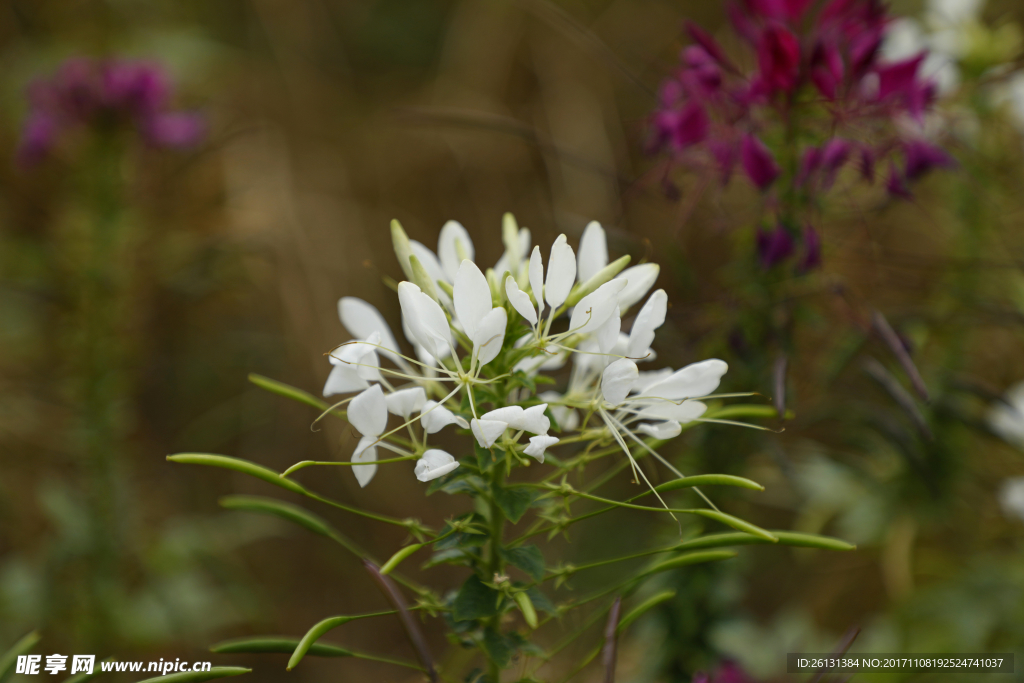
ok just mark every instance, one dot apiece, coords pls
pixel 104 94
pixel 817 98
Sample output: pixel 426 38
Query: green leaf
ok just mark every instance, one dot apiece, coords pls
pixel 687 560
pixel 199 676
pixel 278 508
pixel 10 658
pixel 280 644
pixel 644 607
pixel 708 480
pixel 790 538
pixel 541 601
pixel 736 523
pixel 450 556
pixel 464 539
pixel 475 601
pixel 497 647
pixel 513 502
pixel 238 465
pixel 528 558
pixel 459 481
pixel 288 391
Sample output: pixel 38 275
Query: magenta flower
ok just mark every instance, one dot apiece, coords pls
pixel 104 94
pixel 778 58
pixel 819 100
pixel 758 162
pixel 774 247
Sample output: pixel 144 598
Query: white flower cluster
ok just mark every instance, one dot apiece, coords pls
pixel 448 304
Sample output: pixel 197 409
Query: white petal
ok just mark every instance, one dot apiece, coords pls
pixel 561 273
pixel 539 444
pixel 537 279
pixel 533 420
pixel 593 252
pixel 649 319
pixel 434 463
pixel 520 300
pixel 649 378
pixel 684 412
pixel 593 309
pixel 617 380
pixel 436 417
pixel 608 334
pixel 344 380
pixel 362 320
pixel 508 415
pixel 453 245
pixel 472 297
pixel 368 412
pixel 426 319
pixel 696 379
pixel 641 278
pixel 364 452
pixel 661 430
pixel 405 402
pixel 487 431
pixel 490 335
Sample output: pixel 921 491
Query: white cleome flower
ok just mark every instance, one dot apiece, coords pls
pixel 469 328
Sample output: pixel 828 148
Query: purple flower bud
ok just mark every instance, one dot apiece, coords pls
pixel 758 162
pixel 899 78
pixel 923 157
pixel 138 88
pixel 811 257
pixel 827 70
pixel 37 139
pixel 174 129
pixel 76 90
pixel 778 58
pixel 773 247
pixel 710 45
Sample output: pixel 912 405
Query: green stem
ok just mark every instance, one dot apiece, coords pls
pixel 497 523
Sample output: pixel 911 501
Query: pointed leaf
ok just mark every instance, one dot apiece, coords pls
pixel 708 480
pixel 644 607
pixel 279 644
pixel 238 465
pixel 475 601
pixel 513 502
pixel 10 658
pixel 528 558
pixel 199 676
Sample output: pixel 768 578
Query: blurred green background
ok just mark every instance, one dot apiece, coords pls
pixel 329 118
